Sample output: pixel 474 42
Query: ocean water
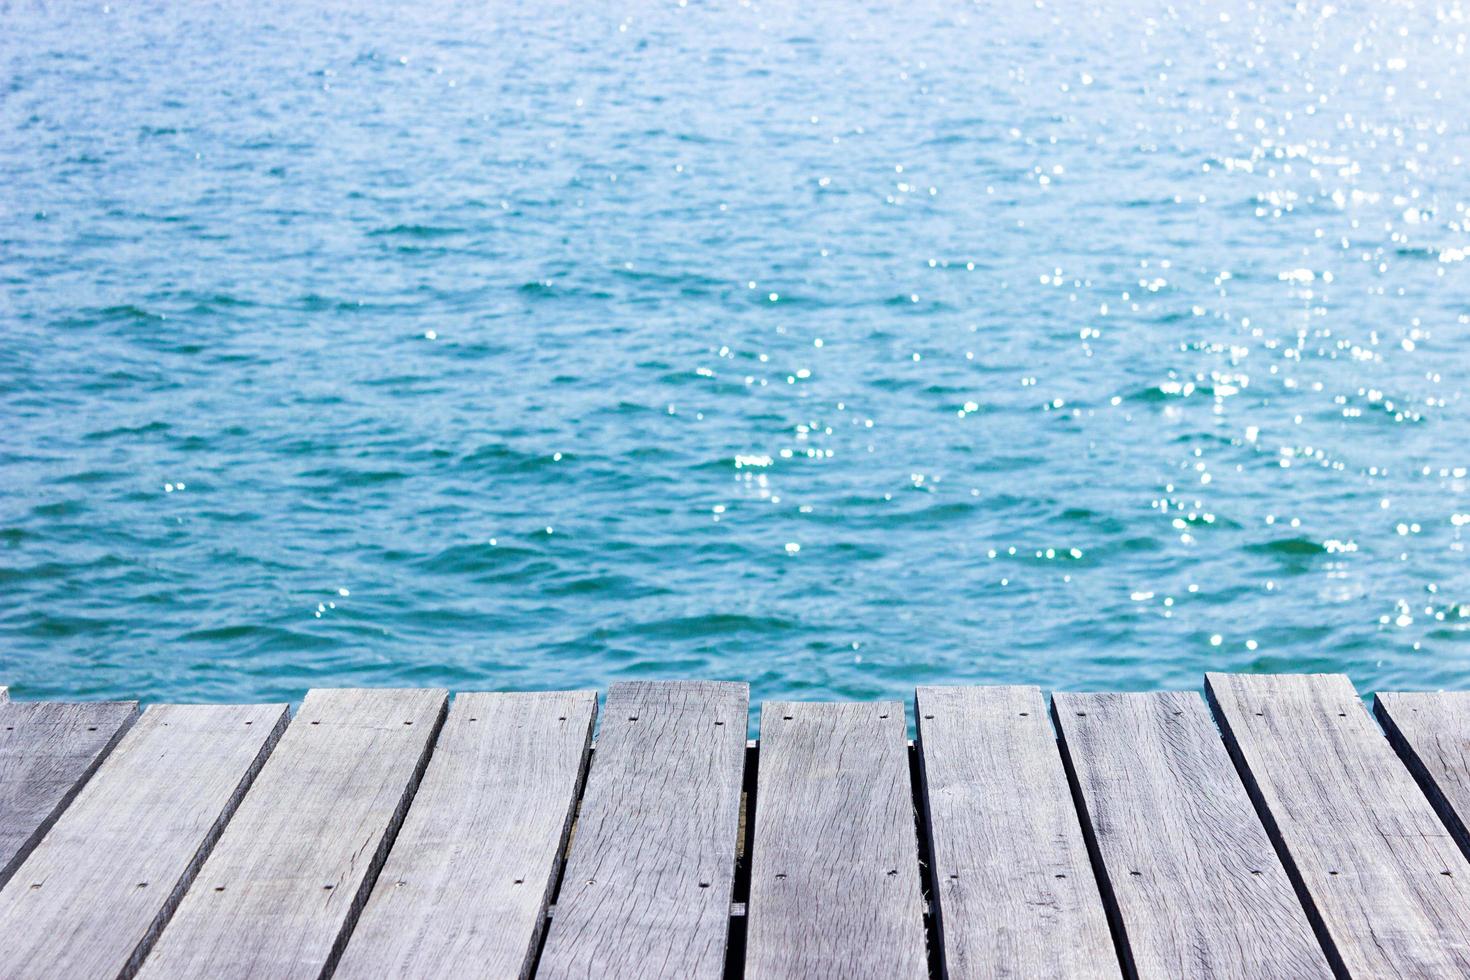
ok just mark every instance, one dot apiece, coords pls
pixel 836 347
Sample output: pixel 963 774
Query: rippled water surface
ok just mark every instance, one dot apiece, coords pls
pixel 837 348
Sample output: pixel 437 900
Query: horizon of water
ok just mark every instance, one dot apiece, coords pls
pixel 836 349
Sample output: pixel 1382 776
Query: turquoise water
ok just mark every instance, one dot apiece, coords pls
pixel 837 348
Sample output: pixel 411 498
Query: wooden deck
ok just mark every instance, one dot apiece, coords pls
pixel 1273 828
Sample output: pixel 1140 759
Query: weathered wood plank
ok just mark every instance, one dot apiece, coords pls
pixel 465 888
pixel 95 893
pixel 1431 733
pixel 1386 884
pixel 835 888
pixel 281 890
pixel 47 751
pixel 1014 890
pixel 4 694
pixel 1191 873
pixel 647 888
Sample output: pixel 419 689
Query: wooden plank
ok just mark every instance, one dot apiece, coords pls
pixel 465 888
pixel 4 694
pixel 94 894
pixel 1191 874
pixel 1014 889
pixel 281 890
pixel 47 751
pixel 1388 890
pixel 835 888
pixel 648 885
pixel 1431 733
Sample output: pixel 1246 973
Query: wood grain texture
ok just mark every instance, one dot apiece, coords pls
pixel 4 694
pixel 47 751
pixel 1387 886
pixel 95 893
pixel 282 888
pixel 1013 886
pixel 1431 733
pixel 648 885
pixel 465 888
pixel 1192 875
pixel 835 889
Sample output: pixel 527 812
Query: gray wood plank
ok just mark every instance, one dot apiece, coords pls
pixel 1388 887
pixel 95 893
pixel 835 888
pixel 648 884
pixel 1190 870
pixel 1431 733
pixel 465 888
pixel 281 889
pixel 47 751
pixel 4 694
pixel 1014 889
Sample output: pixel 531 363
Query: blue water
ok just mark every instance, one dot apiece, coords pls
pixel 834 347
